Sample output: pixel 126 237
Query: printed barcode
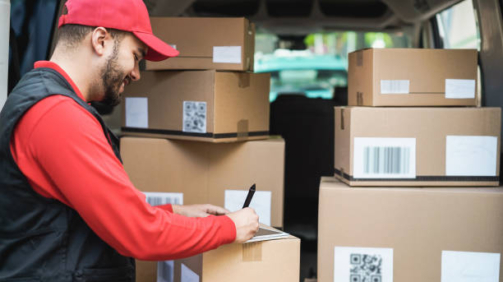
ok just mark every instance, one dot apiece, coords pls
pixel 194 116
pixel 359 264
pixel 365 268
pixel 157 201
pixel 386 160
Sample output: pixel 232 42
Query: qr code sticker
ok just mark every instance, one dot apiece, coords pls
pixel 194 116
pixel 365 268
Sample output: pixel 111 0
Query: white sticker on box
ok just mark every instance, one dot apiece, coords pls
pixel 471 155
pixel 395 86
pixel 261 203
pixel 194 116
pixel 166 271
pixel 173 46
pixel 188 275
pixel 363 264
pixel 162 198
pixel 137 112
pixel 459 88
pixel 384 157
pixel 227 54
pixel 470 267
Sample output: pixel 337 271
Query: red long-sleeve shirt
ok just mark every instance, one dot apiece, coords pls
pixel 61 149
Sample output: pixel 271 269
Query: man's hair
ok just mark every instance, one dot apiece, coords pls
pixel 72 34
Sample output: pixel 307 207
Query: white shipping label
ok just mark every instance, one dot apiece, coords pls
pixel 460 88
pixel 261 203
pixel 227 54
pixel 161 198
pixel 470 267
pixel 395 86
pixel 471 155
pixel 384 158
pixel 188 275
pixel 194 116
pixel 166 271
pixel 355 264
pixel 137 112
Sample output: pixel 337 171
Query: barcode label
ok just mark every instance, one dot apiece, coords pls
pixel 166 271
pixel 356 264
pixel 395 86
pixel 471 155
pixel 470 266
pixel 158 198
pixel 227 54
pixel 460 88
pixel 384 158
pixel 194 116
pixel 365 267
pixel 137 112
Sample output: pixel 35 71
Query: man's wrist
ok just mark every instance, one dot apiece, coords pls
pixel 176 208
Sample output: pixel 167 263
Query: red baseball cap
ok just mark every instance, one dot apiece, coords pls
pixel 126 15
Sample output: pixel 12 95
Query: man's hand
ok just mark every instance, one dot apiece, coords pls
pixel 246 221
pixel 198 210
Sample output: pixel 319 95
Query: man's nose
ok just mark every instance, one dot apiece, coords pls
pixel 135 74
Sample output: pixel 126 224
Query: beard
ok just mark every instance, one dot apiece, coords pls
pixel 112 79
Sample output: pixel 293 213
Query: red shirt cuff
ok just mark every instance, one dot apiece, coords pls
pixel 228 229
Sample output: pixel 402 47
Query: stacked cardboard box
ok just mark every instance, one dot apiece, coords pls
pixel 183 121
pixel 401 129
pixel 199 172
pixel 207 93
pixel 409 233
pixel 269 260
pixel 431 145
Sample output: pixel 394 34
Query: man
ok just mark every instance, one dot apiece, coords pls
pixel 68 211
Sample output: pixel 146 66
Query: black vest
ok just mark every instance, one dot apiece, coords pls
pixel 42 239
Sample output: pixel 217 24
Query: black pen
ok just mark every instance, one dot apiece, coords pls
pixel 250 196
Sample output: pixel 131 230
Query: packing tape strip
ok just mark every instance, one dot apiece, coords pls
pixel 252 251
pixel 242 132
pixel 244 80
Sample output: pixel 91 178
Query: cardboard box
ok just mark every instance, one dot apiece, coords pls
pixel 418 234
pixel 417 146
pixel 198 105
pixel 412 77
pixel 210 173
pixel 206 43
pixel 272 260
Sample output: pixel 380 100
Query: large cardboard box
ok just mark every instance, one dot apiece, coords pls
pixel 206 43
pixel 275 260
pixel 417 146
pixel 218 174
pixel 208 106
pixel 409 234
pixel 412 77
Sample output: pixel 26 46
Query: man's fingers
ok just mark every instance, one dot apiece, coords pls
pixel 215 210
pixel 202 214
pixel 246 222
pixel 199 210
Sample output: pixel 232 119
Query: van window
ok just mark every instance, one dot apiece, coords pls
pixel 315 65
pixel 458 27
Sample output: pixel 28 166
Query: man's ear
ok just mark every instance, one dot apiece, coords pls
pixel 99 38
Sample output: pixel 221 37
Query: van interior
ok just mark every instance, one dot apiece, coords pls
pixel 304 44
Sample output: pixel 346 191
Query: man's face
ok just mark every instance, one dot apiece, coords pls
pixel 121 68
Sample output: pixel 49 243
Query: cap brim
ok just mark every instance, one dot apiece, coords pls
pixel 158 50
